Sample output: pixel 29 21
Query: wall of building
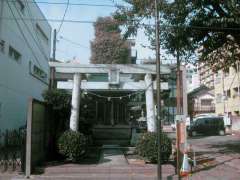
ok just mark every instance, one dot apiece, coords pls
pixel 206 75
pixel 26 74
pixel 192 77
pixel 227 88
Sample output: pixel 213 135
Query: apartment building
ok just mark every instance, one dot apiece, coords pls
pixel 227 91
pixel 25 46
pixel 193 81
pixel 206 75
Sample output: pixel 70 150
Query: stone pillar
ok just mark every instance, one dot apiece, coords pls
pixel 150 105
pixel 75 102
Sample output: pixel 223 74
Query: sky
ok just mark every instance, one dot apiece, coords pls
pixel 82 34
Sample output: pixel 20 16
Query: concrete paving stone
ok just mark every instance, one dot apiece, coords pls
pixel 235 163
pixel 115 170
pixel 76 176
pixel 120 177
pixel 112 157
pixel 223 158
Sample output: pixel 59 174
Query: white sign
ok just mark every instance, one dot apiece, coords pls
pixel 227 120
pixel 180 117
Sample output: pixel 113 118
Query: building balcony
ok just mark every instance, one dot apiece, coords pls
pixel 204 109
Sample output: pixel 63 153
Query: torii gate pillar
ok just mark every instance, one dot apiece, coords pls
pixel 150 105
pixel 74 119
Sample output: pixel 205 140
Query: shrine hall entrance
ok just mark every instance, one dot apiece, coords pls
pixel 113 114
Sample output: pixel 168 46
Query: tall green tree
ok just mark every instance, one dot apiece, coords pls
pixel 109 47
pixel 188 25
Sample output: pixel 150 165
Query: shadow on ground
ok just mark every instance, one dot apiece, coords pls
pixel 91 157
pixel 225 148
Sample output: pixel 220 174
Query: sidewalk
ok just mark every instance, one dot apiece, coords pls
pixel 223 164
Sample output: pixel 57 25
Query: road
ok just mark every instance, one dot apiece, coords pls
pixel 223 153
pixel 228 144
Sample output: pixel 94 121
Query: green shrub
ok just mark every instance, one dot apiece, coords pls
pixel 147 147
pixel 72 145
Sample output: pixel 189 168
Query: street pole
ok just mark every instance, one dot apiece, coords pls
pixel 159 126
pixel 178 94
pixel 179 100
pixel 52 70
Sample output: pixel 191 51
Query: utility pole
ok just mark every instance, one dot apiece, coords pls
pixel 158 63
pixel 179 100
pixel 52 70
pixel 179 112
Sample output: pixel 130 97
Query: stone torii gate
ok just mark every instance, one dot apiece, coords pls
pixel 65 72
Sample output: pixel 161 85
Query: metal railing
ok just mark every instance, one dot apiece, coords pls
pixel 12 150
pixel 200 108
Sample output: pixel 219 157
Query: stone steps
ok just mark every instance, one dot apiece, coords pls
pixel 119 135
pixel 121 142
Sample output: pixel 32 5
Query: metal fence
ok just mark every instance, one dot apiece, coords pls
pixel 12 150
pixel 204 108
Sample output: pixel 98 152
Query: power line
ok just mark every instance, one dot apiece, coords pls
pixel 70 4
pixel 64 15
pixel 24 37
pixel 75 43
pixel 164 27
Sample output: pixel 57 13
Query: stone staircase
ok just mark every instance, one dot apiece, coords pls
pixel 115 135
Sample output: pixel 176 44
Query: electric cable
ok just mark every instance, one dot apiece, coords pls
pixel 63 18
pixel 69 4
pixel 75 43
pixel 164 27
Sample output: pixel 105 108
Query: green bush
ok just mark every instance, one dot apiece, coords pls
pixel 147 147
pixel 72 145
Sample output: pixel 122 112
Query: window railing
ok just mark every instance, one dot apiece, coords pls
pixel 204 108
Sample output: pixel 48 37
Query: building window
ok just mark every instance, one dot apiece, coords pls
pixel 229 93
pixel 236 113
pixel 219 98
pixel 235 92
pixel 206 102
pixel 20 5
pixel 37 72
pixel 2 46
pixel 30 66
pixel 14 54
pixel 41 33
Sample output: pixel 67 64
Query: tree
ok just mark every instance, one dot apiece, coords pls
pixel 109 47
pixel 187 26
